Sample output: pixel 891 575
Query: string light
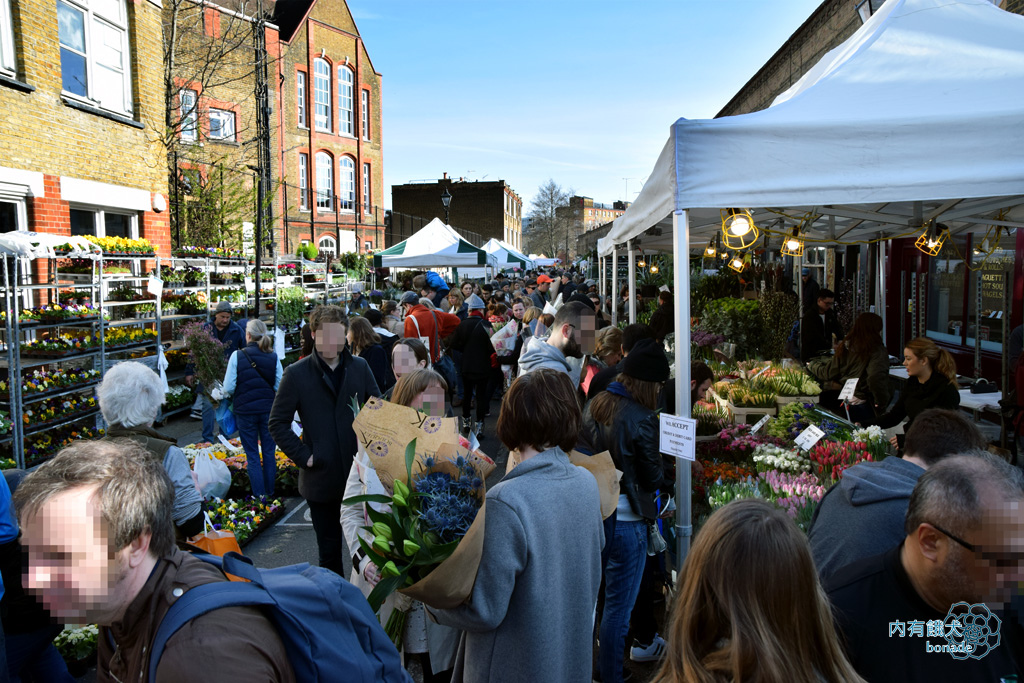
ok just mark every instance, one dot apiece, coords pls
pixel 738 229
pixel 793 245
pixel 931 240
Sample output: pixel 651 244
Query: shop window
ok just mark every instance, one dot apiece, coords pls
pixel 991 269
pixel 103 223
pixel 947 278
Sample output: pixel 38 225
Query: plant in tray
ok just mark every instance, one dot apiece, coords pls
pixel 244 517
pixel 179 395
pixel 77 643
pixel 829 459
pixel 42 381
pixel 5 423
pixel 128 336
pixel 59 345
pixel 58 408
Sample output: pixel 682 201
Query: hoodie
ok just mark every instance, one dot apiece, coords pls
pixel 537 354
pixel 863 514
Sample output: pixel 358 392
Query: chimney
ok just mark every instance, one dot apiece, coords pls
pixel 445 177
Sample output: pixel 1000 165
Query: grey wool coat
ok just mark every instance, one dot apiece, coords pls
pixel 531 614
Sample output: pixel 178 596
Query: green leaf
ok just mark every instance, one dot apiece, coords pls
pixel 372 553
pixel 410 457
pixel 355 406
pixel 384 588
pixel 368 498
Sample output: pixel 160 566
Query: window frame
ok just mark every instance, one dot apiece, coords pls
pixel 367 186
pixel 302 120
pixel 346 184
pixel 99 219
pixel 303 181
pixel 331 248
pixel 324 170
pixel 8 62
pixel 90 19
pixel 188 129
pixel 365 114
pixel 222 115
pixel 322 84
pixel 346 114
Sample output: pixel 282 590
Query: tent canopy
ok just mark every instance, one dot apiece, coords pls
pixel 507 256
pixel 917 116
pixel 435 245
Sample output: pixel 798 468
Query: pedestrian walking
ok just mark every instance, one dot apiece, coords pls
pixel 472 339
pixel 366 344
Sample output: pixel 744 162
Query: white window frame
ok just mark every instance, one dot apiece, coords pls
pixel 20 211
pixel 189 113
pixel 367 184
pixel 346 83
pixel 367 246
pixel 365 113
pixel 90 20
pixel 223 116
pixel 300 98
pixel 100 219
pixel 324 190
pixel 322 95
pixel 303 181
pixel 346 184
pixel 327 244
pixel 7 64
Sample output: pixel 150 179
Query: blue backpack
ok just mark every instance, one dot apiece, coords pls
pixel 325 623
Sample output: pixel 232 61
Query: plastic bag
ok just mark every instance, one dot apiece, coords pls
pixel 217 542
pixel 226 418
pixel 214 477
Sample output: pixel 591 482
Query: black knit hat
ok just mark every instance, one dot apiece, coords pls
pixel 647 362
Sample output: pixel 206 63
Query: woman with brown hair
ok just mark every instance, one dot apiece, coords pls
pixel 607 353
pixel 750 608
pixel 931 383
pixel 393 322
pixel 623 420
pixel 365 343
pixel 860 355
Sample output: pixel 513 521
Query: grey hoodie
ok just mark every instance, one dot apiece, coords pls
pixel 863 514
pixel 539 354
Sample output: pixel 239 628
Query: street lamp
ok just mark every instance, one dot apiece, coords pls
pixel 446 200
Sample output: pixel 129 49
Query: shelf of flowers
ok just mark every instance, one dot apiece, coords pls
pixel 40 446
pixel 71 345
pixel 46 382
pixel 55 315
pixel 738 463
pixel 117 247
pixel 58 410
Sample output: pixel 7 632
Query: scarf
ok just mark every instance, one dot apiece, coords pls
pixel 619 389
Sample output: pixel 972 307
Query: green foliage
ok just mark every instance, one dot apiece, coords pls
pixel 291 304
pixel 778 312
pixel 706 288
pixel 738 320
pixel 307 251
pixel 206 353
pixel 76 644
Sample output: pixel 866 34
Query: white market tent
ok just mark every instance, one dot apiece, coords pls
pixel 543 262
pixel 435 245
pixel 916 117
pixel 506 255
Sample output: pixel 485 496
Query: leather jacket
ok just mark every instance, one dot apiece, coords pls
pixel 632 440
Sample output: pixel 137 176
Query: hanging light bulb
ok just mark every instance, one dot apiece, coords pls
pixel 932 239
pixel 641 263
pixel 793 245
pixel 654 268
pixel 709 251
pixel 736 263
pixel 738 228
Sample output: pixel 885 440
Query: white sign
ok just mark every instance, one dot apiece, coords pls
pixel 250 286
pixel 678 436
pixel 809 437
pixel 847 393
pixel 760 423
pixel 155 286
pixel 227 444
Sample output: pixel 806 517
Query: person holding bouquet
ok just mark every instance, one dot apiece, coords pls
pixel 530 613
pixel 433 644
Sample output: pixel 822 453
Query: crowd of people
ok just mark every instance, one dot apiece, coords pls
pixel 902 541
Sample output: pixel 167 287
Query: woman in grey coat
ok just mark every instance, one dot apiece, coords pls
pixel 531 614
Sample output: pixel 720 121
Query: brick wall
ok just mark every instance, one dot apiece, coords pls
pixel 476 206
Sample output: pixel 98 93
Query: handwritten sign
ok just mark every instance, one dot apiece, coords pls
pixel 760 423
pixel 847 393
pixel 678 436
pixel 809 437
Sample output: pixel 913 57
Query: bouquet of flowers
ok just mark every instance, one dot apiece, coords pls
pixel 245 518
pixel 830 459
pixel 769 457
pixel 206 353
pixel 797 494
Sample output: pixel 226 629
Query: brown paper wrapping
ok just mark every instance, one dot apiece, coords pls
pixel 601 466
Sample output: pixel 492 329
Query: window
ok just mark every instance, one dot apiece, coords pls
pixel 367 199
pixel 10 215
pixel 364 111
pixel 189 115
pixel 303 181
pixel 322 94
pixel 222 124
pixel 94 52
pixel 6 38
pixel 300 97
pixel 345 122
pixel 347 182
pixel 324 181
pixel 327 245
pixel 367 246
pixel 100 223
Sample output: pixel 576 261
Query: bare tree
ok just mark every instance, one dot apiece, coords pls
pixel 549 220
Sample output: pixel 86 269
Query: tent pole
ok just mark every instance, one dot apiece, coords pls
pixel 681 256
pixel 600 278
pixel 615 285
pixel 632 283
pixel 880 295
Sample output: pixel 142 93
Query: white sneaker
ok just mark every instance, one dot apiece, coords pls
pixel 648 653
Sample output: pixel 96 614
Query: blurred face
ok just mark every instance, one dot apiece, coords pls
pixel 612 358
pixel 71 568
pixel 915 365
pixel 431 401
pixel 467 289
pixel 403 360
pixel 221 320
pixel 702 390
pixel 990 573
pixel 518 310
pixel 582 341
pixel 330 340
pixel 544 286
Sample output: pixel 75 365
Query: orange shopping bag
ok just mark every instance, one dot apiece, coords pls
pixel 216 542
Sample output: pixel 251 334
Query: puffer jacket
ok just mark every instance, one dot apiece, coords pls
pixel 632 440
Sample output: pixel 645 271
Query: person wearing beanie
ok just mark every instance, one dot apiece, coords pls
pixel 232 336
pixel 429 325
pixel 623 420
pixel 472 339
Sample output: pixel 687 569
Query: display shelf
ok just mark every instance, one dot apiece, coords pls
pixel 33 397
pixel 131 321
pixel 60 422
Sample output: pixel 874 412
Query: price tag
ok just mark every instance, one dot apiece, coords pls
pixel 155 286
pixel 760 423
pixel 847 393
pixel 250 286
pixel 678 436
pixel 809 437
pixel 227 444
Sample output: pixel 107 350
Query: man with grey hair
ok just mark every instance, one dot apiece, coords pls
pixel 96 525
pixel 934 608
pixel 130 397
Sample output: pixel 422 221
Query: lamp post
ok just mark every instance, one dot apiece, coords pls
pixel 446 200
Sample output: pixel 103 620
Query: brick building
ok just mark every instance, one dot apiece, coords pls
pixel 82 106
pixel 490 208
pixel 329 117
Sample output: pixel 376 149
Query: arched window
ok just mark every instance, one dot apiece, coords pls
pixel 322 94
pixel 324 182
pixel 347 184
pixel 327 245
pixel 346 122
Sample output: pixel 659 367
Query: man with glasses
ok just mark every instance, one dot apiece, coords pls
pixel 937 607
pixel 821 329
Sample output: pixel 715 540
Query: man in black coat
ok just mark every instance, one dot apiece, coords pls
pixel 320 387
pixel 821 330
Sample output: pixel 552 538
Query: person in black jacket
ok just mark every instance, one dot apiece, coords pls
pixel 663 320
pixel 931 384
pixel 821 330
pixel 624 421
pixel 473 339
pixel 320 388
pixel 631 336
pixel 366 343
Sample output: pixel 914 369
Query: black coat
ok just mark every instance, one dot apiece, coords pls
pixel 326 417
pixel 473 338
pixel 632 440
pixel 937 392
pixel 663 322
pixel 816 335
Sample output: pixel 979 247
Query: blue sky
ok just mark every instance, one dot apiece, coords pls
pixel 581 92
